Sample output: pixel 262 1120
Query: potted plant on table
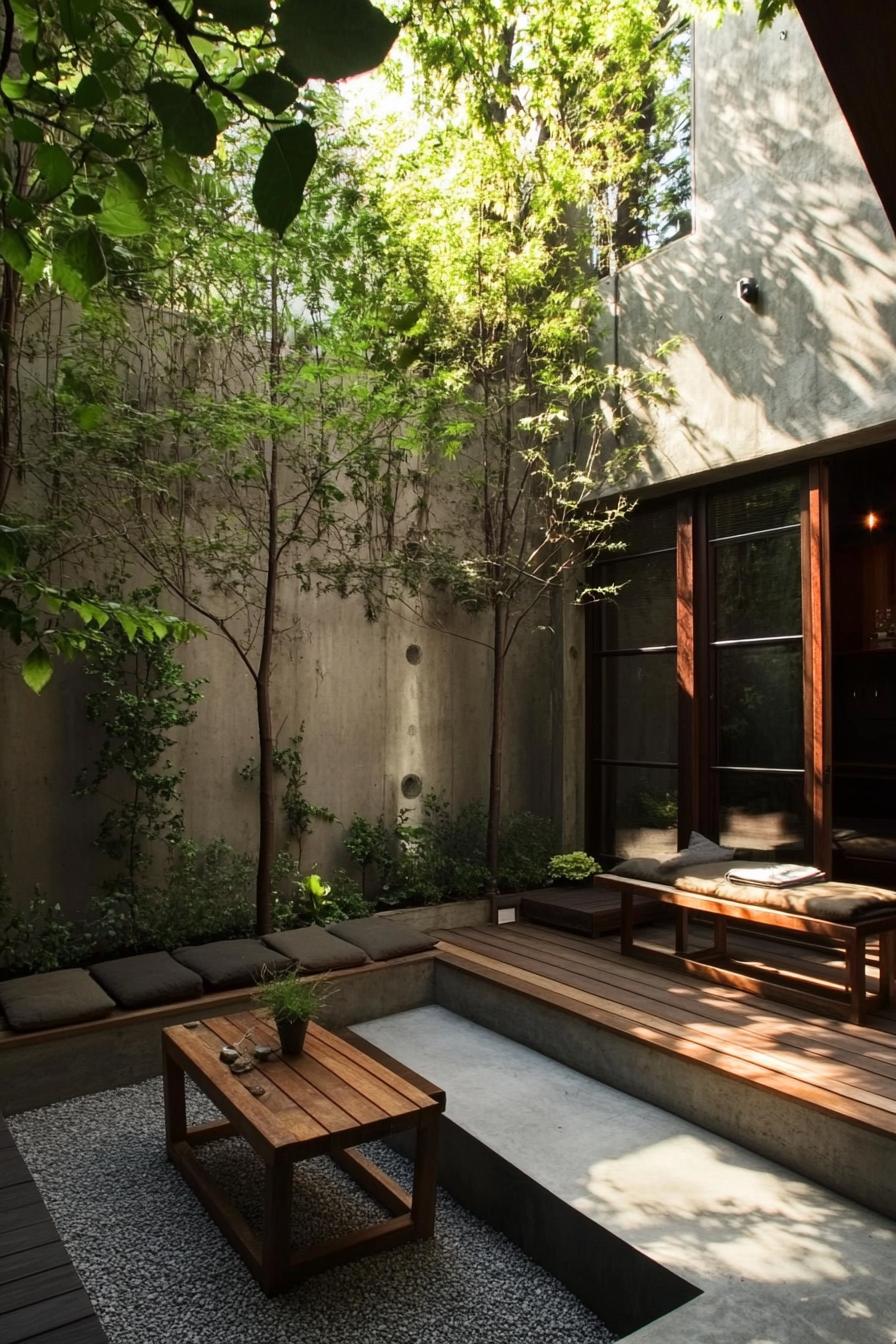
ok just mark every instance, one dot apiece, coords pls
pixel 575 869
pixel 292 1003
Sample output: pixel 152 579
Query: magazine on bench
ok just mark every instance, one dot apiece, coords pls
pixel 776 875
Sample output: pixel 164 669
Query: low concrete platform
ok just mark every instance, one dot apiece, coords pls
pixel 776 1258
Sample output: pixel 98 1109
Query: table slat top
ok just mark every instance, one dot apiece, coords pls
pixel 331 1092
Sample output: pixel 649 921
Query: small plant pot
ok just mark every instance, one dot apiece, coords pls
pixel 292 1037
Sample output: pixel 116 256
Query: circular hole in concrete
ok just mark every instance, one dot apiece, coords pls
pixel 411 786
pixel 413 653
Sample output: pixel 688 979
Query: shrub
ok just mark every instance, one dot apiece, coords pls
pixel 289 999
pixel 525 847
pixel 576 866
pixel 37 937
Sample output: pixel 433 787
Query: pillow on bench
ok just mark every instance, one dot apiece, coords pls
pixel 232 963
pixel 142 981
pixel 315 950
pixel 699 851
pixel 52 999
pixel 642 870
pixel 383 939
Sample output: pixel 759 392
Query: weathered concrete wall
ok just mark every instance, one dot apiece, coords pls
pixel 781 194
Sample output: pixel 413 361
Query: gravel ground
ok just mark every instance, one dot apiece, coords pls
pixel 157 1268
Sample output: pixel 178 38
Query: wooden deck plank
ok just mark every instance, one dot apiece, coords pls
pixel 671 1025
pixel 732 1009
pixel 38 1318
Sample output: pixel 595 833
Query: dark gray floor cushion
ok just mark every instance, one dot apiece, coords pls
pixel 232 964
pixel 53 999
pixel 314 950
pixel 382 938
pixel 140 982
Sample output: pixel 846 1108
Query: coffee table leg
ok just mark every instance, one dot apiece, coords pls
pixel 175 1102
pixel 423 1209
pixel 277 1236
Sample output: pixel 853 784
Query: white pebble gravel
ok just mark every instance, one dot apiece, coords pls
pixel 158 1271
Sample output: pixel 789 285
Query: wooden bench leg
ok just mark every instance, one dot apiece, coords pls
pixel 627 922
pixel 681 932
pixel 886 967
pixel 720 938
pixel 855 975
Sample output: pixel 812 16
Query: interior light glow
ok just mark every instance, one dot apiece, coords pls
pixel 871 521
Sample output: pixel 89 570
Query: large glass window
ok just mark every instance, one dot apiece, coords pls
pixel 635 742
pixel 757 665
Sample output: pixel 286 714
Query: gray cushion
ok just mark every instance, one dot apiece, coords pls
pixel 140 982
pixel 232 964
pixel 642 870
pixel 699 850
pixel 314 950
pixel 52 999
pixel 382 938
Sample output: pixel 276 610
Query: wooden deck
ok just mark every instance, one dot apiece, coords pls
pixel 42 1300
pixel 844 1070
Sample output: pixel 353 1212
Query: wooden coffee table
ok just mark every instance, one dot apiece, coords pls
pixel 325 1100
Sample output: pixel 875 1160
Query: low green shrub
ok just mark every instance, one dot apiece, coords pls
pixel 576 866
pixel 36 936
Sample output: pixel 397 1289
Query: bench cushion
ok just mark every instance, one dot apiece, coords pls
pixel 381 938
pixel 53 999
pixel 142 981
pixel 837 902
pixel 314 950
pixel 233 963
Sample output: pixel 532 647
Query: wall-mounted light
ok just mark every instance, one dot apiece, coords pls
pixel 748 290
pixel 871 520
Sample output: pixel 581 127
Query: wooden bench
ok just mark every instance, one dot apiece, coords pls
pixel 853 1002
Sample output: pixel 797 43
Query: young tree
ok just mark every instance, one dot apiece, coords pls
pixel 509 211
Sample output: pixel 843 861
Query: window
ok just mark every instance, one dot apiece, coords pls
pixel 635 765
pixel 756 644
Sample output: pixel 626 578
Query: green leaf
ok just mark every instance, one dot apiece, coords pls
pixel 20 210
pixel 80 265
pixel 37 669
pixel 269 90
pixel 85 205
pixel 9 551
pixel 123 213
pixel 283 170
pixel 89 417
pixel 28 58
pixel 176 170
pixel 14 250
pixel 187 123
pixel 238 14
pixel 14 89
pixel 55 167
pixel 332 39
pixel 89 93
pixel 127 623
pixel 77 18
pixel 113 145
pixel 26 132
pixel 35 269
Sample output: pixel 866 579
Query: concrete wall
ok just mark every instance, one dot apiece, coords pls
pixel 781 194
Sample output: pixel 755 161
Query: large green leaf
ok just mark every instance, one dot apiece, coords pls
pixel 283 170
pixel 55 167
pixel 77 18
pixel 80 264
pixel 124 213
pixel 269 90
pixel 37 669
pixel 26 132
pixel 176 170
pixel 89 93
pixel 332 39
pixel 187 123
pixel 14 250
pixel 238 14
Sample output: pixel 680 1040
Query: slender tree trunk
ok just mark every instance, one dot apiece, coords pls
pixel 266 804
pixel 496 755
pixel 9 308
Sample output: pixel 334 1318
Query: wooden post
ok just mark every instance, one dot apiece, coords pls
pixel 855 974
pixel 720 943
pixel 681 932
pixel 423 1210
pixel 627 929
pixel 886 968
